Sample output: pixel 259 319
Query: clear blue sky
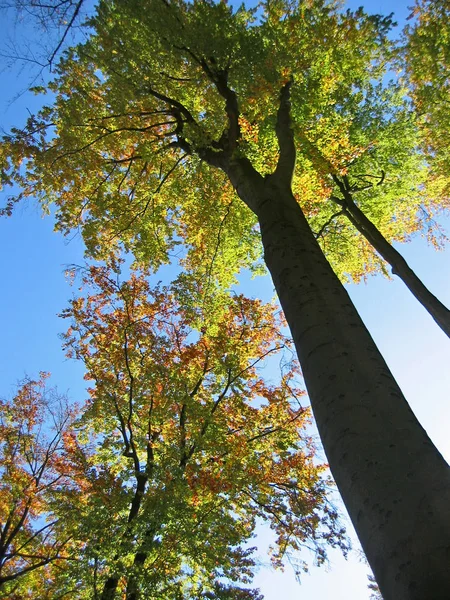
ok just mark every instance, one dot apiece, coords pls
pixel 32 262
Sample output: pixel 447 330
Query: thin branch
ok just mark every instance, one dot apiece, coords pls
pixel 142 212
pixel 270 430
pixel 219 236
pixel 66 31
pixel 328 222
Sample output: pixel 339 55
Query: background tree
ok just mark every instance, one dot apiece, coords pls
pixel 35 438
pixel 386 171
pixel 143 100
pixel 193 445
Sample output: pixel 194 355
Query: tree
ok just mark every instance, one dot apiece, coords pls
pixel 155 488
pixel 34 465
pixel 351 210
pixel 192 445
pixel 147 114
pixel 425 58
pixel 358 185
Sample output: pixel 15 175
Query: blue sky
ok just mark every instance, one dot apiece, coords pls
pixel 32 263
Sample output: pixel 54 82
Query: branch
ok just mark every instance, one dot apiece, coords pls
pixel 270 430
pixel 207 421
pixel 219 239
pixel 18 574
pixel 230 380
pixel 285 136
pixel 122 427
pixel 197 386
pixel 231 136
pixel 184 455
pixel 343 186
pixel 219 77
pixel 17 551
pixel 266 507
pixel 66 31
pixel 330 220
pixel 151 195
pixel 363 176
pixel 130 396
pixel 174 104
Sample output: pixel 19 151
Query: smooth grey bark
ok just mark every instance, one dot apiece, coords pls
pixel 439 312
pixel 393 481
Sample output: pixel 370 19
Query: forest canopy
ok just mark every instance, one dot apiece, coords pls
pixel 218 139
pixel 122 152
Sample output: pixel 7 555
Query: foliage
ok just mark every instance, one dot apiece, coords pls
pixel 192 445
pixel 376 594
pixel 426 59
pixel 145 109
pixel 38 461
pixel 156 488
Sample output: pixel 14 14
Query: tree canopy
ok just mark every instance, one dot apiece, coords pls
pixel 142 111
pixel 181 449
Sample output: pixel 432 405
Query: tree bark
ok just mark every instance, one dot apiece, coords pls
pixel 393 481
pixel 439 312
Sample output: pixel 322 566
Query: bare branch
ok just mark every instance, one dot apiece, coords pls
pixel 66 31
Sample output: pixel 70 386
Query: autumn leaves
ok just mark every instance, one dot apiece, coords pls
pixel 182 442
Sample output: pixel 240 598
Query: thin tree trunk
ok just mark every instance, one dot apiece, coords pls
pixel 439 312
pixel 394 482
pixel 110 586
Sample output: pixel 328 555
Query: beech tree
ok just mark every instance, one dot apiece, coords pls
pixel 181 447
pixel 172 111
pixel 356 193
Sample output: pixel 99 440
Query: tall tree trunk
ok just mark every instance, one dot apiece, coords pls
pixel 439 312
pixel 394 482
